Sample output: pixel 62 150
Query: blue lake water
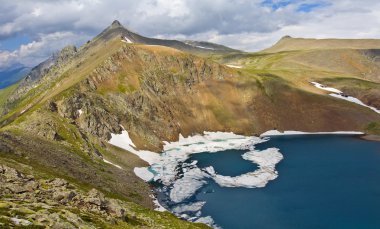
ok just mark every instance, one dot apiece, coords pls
pixel 325 181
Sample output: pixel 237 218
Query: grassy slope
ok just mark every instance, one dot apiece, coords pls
pixel 157 93
pixel 136 216
pixel 347 69
pixel 4 93
pixel 291 44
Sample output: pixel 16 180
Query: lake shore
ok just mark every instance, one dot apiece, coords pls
pixel 371 137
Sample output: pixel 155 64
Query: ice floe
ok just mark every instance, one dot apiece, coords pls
pixel 193 207
pixel 188 185
pixel 339 94
pixel 143 173
pixel 207 220
pixel 182 179
pixel 266 160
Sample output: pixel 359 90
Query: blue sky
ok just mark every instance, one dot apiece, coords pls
pixel 30 31
pixel 13 43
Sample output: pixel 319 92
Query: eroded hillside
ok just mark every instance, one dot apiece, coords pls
pixel 60 119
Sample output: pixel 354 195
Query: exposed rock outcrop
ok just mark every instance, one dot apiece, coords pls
pixel 56 203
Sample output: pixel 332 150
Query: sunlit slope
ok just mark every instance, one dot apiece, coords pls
pixel 292 44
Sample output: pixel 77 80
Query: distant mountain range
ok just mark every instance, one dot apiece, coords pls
pixel 12 75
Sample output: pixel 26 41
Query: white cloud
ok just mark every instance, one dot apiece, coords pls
pixel 36 51
pixel 244 24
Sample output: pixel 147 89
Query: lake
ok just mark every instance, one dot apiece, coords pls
pixel 325 181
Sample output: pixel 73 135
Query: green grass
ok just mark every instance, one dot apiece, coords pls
pixel 373 128
pixel 4 94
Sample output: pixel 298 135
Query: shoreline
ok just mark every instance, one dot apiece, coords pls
pixel 371 137
pixel 164 164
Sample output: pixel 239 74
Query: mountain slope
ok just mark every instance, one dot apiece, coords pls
pixel 117 30
pixel 288 43
pixel 11 75
pixel 61 125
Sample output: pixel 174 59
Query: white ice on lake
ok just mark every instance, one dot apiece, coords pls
pixel 164 167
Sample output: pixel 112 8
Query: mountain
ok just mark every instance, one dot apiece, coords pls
pixel 117 30
pixel 288 43
pixel 57 122
pixel 12 74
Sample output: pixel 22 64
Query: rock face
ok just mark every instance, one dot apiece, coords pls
pixel 56 203
pixel 44 72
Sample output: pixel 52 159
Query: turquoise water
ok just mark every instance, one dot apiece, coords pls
pixel 325 181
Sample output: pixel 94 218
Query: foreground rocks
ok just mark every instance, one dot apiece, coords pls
pixel 55 203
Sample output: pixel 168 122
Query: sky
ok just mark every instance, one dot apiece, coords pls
pixel 31 30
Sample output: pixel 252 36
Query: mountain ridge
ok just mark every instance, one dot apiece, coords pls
pixel 288 43
pixel 63 123
pixel 117 29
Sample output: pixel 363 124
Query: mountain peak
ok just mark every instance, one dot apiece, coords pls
pixel 116 23
pixel 286 37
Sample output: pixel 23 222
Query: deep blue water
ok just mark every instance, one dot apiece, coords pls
pixel 325 181
pixel 221 161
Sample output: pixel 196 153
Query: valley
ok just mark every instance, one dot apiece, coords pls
pixel 58 121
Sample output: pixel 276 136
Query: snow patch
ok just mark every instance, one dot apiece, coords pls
pixel 125 142
pixel 354 100
pixel 234 66
pixel 159 207
pixel 108 162
pixel 198 46
pixel 202 47
pixel 22 222
pixel 323 87
pixel 126 40
pixel 339 94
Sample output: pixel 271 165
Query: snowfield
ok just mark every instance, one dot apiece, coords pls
pixel 234 66
pixel 339 95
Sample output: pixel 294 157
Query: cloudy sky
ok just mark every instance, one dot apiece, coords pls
pixel 30 31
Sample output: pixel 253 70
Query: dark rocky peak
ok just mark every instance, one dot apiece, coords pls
pixel 286 37
pixel 116 24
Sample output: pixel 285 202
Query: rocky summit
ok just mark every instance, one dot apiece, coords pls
pixel 58 169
